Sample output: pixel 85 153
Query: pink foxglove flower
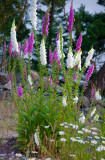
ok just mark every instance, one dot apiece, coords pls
pixel 45 24
pixel 75 77
pixel 31 43
pixel 71 18
pixel 33 15
pixel 10 48
pixel 88 75
pixel 43 53
pixel 13 37
pixel 79 41
pixel 20 91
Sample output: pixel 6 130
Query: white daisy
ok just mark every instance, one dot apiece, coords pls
pixel 63 139
pixel 75 126
pixel 61 133
pixel 18 155
pixel 80 132
pixel 94 142
pixel 94 133
pixel 73 139
pixel 96 137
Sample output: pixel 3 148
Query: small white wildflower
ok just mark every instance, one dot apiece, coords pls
pixel 100 148
pixel 92 113
pixel 36 139
pixel 81 141
pixel 43 53
pixel 94 142
pixel 89 57
pixel 94 133
pixel 13 37
pixel 96 117
pixel 73 139
pixel 82 118
pixel 71 124
pixel 62 124
pixel 33 16
pixel 31 158
pixel 102 137
pixel 61 133
pixel 75 126
pixel 47 126
pixel 103 142
pixel 64 103
pixel 98 96
pixel 18 155
pixel 72 155
pixel 48 159
pixel 34 152
pixel 94 129
pixel 86 130
pixel 63 139
pixel 70 59
pixel 80 132
pixel 96 137
pixel 66 126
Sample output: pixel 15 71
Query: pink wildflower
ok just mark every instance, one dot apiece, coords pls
pixel 30 43
pixel 50 57
pixel 71 18
pixel 10 48
pixel 20 91
pixel 45 24
pixel 79 41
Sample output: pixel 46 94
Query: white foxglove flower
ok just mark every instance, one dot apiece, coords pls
pixel 75 100
pixel 33 16
pixel 96 117
pixel 77 59
pixel 58 49
pixel 64 103
pixel 13 37
pixel 98 95
pixel 89 57
pixel 92 113
pixel 36 139
pixel 70 59
pixel 43 53
pixel 29 79
pixel 82 118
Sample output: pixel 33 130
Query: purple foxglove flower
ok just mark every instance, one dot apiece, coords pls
pixel 24 74
pixel 79 41
pixel 30 43
pixel 19 49
pixel 45 24
pixel 71 18
pixel 55 57
pixel 10 48
pixel 50 57
pixel 50 79
pixel 25 47
pixel 4 48
pixel 20 91
pixel 75 77
pixel 88 75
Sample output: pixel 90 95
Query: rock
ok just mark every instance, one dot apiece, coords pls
pixel 4 78
pixel 2 95
pixel 85 102
pixel 35 76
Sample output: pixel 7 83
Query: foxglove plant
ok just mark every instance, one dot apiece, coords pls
pixel 79 41
pixel 89 57
pixel 31 43
pixel 45 24
pixel 43 53
pixel 13 37
pixel 10 48
pixel 71 18
pixel 33 15
pixel 70 59
pixel 20 91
